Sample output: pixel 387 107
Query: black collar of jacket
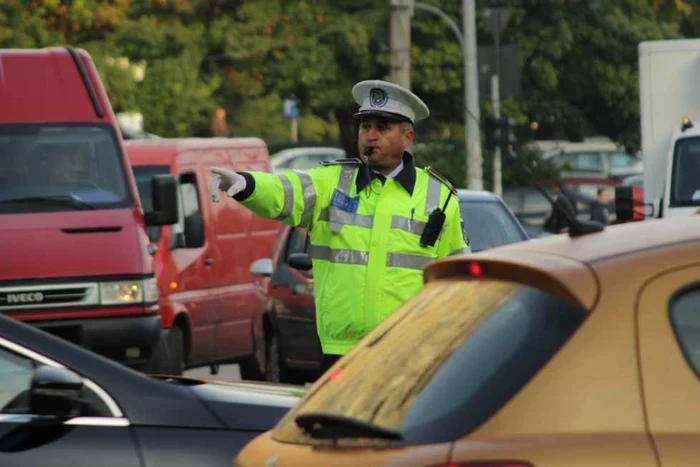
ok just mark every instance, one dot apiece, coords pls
pixel 406 178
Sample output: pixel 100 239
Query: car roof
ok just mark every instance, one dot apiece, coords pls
pixel 48 85
pixel 477 195
pixel 616 240
pixel 164 150
pixel 568 265
pixel 556 146
pixel 290 153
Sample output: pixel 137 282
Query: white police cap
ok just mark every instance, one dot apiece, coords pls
pixel 388 100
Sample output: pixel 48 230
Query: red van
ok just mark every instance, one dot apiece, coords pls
pixel 209 300
pixel 74 251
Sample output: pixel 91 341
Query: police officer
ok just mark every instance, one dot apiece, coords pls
pixel 373 221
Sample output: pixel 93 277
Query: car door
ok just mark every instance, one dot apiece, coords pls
pixel 669 348
pixel 26 441
pixel 237 237
pixel 194 260
pixel 292 289
pixel 240 238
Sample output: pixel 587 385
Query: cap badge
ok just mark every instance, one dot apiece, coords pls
pixel 378 97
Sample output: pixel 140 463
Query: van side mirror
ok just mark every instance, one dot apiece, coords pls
pixel 55 393
pixel 262 268
pixel 194 230
pixel 300 261
pixel 165 212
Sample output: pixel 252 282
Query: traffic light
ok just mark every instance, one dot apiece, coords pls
pixel 499 132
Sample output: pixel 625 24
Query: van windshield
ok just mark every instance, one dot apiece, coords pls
pixel 685 185
pixel 48 167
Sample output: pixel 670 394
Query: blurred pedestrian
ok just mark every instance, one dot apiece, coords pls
pixel 373 220
pixel 599 207
pixel 218 125
pixel 556 222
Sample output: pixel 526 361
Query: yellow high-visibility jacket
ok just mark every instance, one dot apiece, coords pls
pixel 364 234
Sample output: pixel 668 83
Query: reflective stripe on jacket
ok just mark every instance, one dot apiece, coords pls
pixel 367 257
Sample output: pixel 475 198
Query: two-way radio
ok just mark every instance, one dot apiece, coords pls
pixel 436 220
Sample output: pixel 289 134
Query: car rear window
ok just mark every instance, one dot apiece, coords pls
pixel 443 364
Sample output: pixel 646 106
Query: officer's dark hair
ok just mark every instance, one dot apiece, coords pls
pixel 599 191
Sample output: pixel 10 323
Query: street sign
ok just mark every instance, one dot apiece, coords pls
pixel 291 109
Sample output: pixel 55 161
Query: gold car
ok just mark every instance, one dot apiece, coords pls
pixel 555 352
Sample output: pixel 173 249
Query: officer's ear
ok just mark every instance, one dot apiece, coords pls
pixel 407 134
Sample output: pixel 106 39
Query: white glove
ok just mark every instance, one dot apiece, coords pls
pixel 225 180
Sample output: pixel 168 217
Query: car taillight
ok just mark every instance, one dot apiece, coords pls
pixel 486 464
pixel 475 269
pixel 337 372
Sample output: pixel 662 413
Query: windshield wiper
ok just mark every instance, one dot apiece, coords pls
pixel 328 426
pixel 63 200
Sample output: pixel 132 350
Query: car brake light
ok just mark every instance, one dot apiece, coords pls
pixel 335 374
pixel 475 269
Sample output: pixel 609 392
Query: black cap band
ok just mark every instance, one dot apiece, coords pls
pixel 383 114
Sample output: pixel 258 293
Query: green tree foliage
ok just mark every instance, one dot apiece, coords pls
pixel 579 60
pixel 313 50
pixel 176 60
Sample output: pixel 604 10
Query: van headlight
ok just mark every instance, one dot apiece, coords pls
pixel 138 291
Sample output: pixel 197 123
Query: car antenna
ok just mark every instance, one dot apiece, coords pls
pixel 576 226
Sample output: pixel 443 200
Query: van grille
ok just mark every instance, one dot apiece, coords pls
pixel 48 296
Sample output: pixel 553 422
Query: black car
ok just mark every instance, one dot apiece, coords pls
pixel 293 349
pixel 61 405
pixel 488 220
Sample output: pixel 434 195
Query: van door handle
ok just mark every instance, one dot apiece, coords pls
pixel 208 261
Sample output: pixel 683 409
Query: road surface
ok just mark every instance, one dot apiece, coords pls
pixel 228 372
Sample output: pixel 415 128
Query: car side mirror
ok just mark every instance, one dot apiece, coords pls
pixel 262 268
pixel 165 212
pixel 55 394
pixel 300 261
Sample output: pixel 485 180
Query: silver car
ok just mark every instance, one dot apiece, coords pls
pixel 303 158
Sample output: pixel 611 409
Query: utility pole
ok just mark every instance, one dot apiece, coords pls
pixel 472 138
pixel 401 12
pixel 497 21
pixel 496 97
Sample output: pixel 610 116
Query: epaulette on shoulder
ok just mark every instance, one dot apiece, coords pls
pixel 350 161
pixel 441 179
